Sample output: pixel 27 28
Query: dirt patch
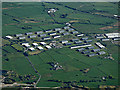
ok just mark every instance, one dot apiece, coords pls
pixel 73 21
pixel 30 22
pixel 108 27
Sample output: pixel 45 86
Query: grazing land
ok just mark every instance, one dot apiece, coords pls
pixel 51 44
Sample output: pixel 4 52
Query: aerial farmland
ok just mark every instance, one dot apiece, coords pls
pixel 60 44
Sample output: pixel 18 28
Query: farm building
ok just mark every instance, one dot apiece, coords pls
pixel 21 38
pixel 42 35
pixel 77 42
pixel 112 35
pixel 101 52
pixel 40 32
pixel 51 34
pixel 81 49
pixel 48 47
pixel 91 55
pixel 73 40
pixel 66 33
pixel 29 33
pixel 105 39
pixel 79 46
pixel 88 41
pixel 56 36
pixel 43 43
pixel 26 44
pixel 95 50
pixel 64 41
pixel 57 29
pixel 80 35
pixel 66 44
pixel 90 47
pixel 48 30
pixel 84 38
pixel 66 27
pixel 31 49
pixel 61 31
pixel 33 36
pixel 46 38
pixel 74 32
pixel 85 52
pixel 35 44
pixel 99 45
pixel 70 29
pixel 18 35
pixel 9 37
pixel 40 48
pixel 115 39
pixel 99 36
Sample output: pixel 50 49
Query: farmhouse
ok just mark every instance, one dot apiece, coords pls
pixel 57 29
pixel 42 35
pixel 112 35
pixel 26 44
pixel 33 36
pixel 105 39
pixel 56 36
pixel 40 48
pixel 84 38
pixel 31 49
pixel 79 35
pixel 18 35
pixel 40 32
pixel 9 37
pixel 91 55
pixel 43 43
pixel 66 33
pixel 101 52
pixel 21 38
pixel 79 46
pixel 48 47
pixel 99 45
pixel 35 44
pixel 51 34
pixel 81 49
pixel 46 38
pixel 70 29
pixel 61 31
pixel 96 50
pixel 29 33
pixel 74 32
pixel 48 30
pixel 64 41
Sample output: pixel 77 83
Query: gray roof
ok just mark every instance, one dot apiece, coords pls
pixel 33 36
pixel 78 42
pixel 73 40
pixel 48 30
pixel 92 54
pixel 42 35
pixel 90 47
pixel 46 38
pixel 39 32
pixel 101 52
pixel 61 31
pixel 84 38
pixel 85 52
pixel 105 39
pixel 66 33
pixel 70 29
pixel 17 35
pixel 74 32
pixel 29 33
pixel 87 41
pixel 57 29
pixel 81 49
pixel 96 50
pixel 21 37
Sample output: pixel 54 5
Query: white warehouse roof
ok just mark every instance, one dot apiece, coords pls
pixel 9 37
pixel 112 35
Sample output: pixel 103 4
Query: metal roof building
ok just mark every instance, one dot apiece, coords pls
pixel 56 36
pixel 18 35
pixel 64 41
pixel 33 36
pixel 46 38
pixel 21 38
pixel 96 50
pixel 77 42
pixel 84 38
pixel 40 48
pixel 99 45
pixel 81 49
pixel 26 44
pixel 48 47
pixel 85 52
pixel 105 39
pixel 74 32
pixel 9 37
pixel 66 44
pixel 35 44
pixel 70 29
pixel 48 30
pixel 80 35
pixel 42 43
pixel 61 31
pixel 91 55
pixel 112 35
pixel 66 27
pixel 31 49
pixel 29 33
pixel 51 34
pixel 42 35
pixel 88 41
pixel 39 32
pixel 79 46
pixel 57 29
pixel 101 52
pixel 66 33
pixel 90 47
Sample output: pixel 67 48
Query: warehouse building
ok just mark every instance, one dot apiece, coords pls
pixel 81 49
pixel 42 35
pixel 112 35
pixel 46 38
pixel 33 36
pixel 101 52
pixel 88 41
pixel 9 37
pixel 79 46
pixel 99 45
pixel 40 32
pixel 115 39
pixel 18 35
pixel 66 44
pixel 29 33
pixel 21 38
pixel 95 50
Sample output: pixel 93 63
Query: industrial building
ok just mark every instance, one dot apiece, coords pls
pixel 35 44
pixel 112 35
pixel 99 45
pixel 90 47
pixel 105 39
pixel 61 31
pixel 57 29
pixel 43 43
pixel 88 41
pixel 48 30
pixel 91 55
pixel 77 42
pixel 70 29
pixel 66 44
pixel 48 47
pixel 79 46
pixel 84 38
pixel 51 34
pixel 85 52
pixel 9 37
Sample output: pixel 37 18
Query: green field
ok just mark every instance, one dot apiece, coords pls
pixel 87 18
